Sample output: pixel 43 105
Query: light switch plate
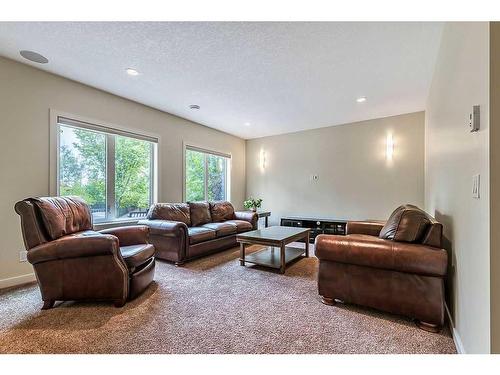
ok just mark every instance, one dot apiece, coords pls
pixel 474 119
pixel 23 256
pixel 475 186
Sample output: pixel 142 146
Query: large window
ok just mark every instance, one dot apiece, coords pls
pixel 112 170
pixel 206 175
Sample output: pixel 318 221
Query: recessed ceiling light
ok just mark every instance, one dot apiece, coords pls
pixel 247 124
pixel 194 106
pixel 132 72
pixel 33 56
pixel 361 99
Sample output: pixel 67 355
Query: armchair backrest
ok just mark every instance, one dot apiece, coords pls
pixel 31 224
pixel 408 223
pixel 46 219
pixel 434 235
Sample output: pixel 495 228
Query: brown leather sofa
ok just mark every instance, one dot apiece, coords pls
pixel 74 262
pixel 184 231
pixel 397 266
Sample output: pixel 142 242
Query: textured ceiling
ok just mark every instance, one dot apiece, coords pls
pixel 279 77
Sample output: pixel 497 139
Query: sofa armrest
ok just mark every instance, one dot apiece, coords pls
pixel 74 247
pixel 384 254
pixel 371 228
pixel 249 216
pixel 132 235
pixel 165 228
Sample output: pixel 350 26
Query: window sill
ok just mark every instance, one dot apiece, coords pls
pixel 115 224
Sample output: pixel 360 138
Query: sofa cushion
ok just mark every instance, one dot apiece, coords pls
pixel 221 229
pixel 137 255
pixel 170 211
pixel 200 213
pixel 407 223
pixel 221 211
pixel 63 215
pixel 200 234
pixel 241 225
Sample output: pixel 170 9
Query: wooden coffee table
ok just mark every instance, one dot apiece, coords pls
pixel 276 254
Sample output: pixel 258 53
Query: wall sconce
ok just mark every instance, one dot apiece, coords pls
pixel 262 160
pixel 389 149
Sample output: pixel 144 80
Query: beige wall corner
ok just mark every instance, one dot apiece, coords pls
pixel 495 185
pixel 452 156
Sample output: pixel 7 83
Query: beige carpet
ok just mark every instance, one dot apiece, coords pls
pixel 212 305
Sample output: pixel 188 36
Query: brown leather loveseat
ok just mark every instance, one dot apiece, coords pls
pixel 74 262
pixel 397 266
pixel 183 231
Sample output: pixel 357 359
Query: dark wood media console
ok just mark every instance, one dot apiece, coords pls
pixel 317 225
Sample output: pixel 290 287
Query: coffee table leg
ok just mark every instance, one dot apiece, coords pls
pixel 266 221
pixel 282 258
pixel 242 254
pixel 307 245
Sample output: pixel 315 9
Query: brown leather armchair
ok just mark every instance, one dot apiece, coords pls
pixel 397 266
pixel 74 262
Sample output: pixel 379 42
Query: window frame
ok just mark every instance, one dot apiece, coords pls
pixel 204 150
pixel 110 131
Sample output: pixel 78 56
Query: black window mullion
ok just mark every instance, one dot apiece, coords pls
pixel 225 177
pixel 205 180
pixel 110 177
pixel 152 176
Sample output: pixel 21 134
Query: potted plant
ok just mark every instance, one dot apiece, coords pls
pixel 252 204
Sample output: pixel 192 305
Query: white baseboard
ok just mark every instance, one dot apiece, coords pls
pixel 17 280
pixel 456 337
pixel 458 341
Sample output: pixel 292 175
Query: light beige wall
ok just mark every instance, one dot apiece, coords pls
pixel 355 179
pixel 27 94
pixel 495 185
pixel 453 156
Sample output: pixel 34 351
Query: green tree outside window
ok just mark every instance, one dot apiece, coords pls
pixel 82 171
pixel 208 172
